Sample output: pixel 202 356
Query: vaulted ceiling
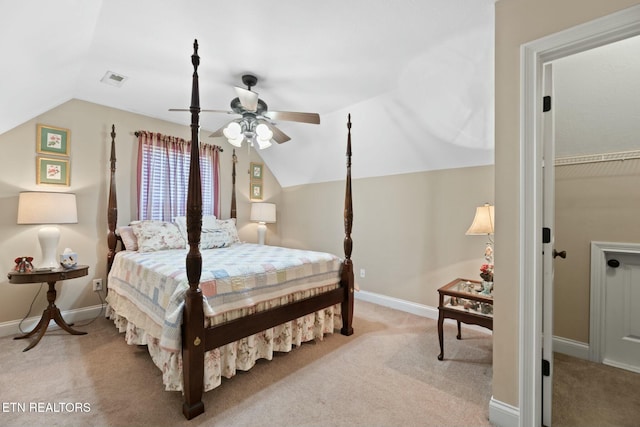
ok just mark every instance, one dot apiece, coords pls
pixel 416 75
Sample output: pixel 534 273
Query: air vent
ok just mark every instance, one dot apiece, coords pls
pixel 113 79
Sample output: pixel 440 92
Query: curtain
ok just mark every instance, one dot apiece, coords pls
pixel 163 176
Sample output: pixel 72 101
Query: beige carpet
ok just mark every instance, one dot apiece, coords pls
pixel 386 374
pixel 589 394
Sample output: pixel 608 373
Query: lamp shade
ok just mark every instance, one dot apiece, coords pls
pixel 38 207
pixel 483 222
pixel 263 212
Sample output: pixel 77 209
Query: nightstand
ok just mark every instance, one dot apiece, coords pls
pixel 51 312
pixel 462 301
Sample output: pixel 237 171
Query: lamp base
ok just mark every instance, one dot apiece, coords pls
pixel 262 231
pixel 48 237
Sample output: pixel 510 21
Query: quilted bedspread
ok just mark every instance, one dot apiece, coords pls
pixel 241 275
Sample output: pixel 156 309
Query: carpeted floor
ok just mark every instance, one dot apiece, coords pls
pixel 386 374
pixel 587 394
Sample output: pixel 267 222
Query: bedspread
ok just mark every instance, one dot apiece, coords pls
pixel 241 275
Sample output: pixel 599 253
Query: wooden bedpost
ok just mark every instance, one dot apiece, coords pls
pixel 234 159
pixel 347 279
pixel 193 317
pixel 112 208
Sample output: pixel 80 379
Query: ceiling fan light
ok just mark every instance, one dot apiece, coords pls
pixel 263 143
pixel 232 131
pixel 237 142
pixel 264 132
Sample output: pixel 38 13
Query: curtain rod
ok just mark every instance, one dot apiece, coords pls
pixel 137 134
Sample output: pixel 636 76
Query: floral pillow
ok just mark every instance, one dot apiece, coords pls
pixel 208 222
pixel 230 226
pixel 157 235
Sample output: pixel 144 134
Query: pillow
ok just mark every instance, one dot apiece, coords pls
pixel 128 237
pixel 212 239
pixel 208 222
pixel 230 226
pixel 157 235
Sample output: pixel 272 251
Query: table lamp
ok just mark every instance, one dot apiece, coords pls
pixel 263 213
pixel 483 224
pixel 38 207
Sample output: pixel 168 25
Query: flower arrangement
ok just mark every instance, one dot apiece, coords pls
pixel 486 272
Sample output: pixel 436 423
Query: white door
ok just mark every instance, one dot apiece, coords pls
pixel 622 312
pixel 548 213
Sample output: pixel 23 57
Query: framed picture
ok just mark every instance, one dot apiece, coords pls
pixel 52 171
pixel 256 191
pixel 52 140
pixel 256 171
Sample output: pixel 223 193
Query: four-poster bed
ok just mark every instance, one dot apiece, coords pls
pixel 272 311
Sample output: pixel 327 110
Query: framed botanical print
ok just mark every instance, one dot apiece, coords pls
pixel 52 171
pixel 255 191
pixel 53 140
pixel 256 171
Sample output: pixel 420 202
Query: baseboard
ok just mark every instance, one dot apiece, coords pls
pixel 70 316
pixel 502 414
pixel 571 348
pixel 620 365
pixel 409 307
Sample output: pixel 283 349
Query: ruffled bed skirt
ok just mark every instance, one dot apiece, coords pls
pixel 226 360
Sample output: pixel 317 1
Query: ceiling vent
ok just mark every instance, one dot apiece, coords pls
pixel 113 79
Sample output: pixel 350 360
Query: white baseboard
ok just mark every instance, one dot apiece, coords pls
pixel 571 347
pixel 502 414
pixel 620 365
pixel 70 316
pixel 409 307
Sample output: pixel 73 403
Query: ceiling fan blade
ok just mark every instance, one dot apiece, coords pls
pixel 292 116
pixel 278 135
pixel 248 99
pixel 203 111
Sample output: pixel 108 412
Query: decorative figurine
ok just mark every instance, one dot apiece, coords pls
pixel 23 264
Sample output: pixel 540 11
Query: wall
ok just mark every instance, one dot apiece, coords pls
pixel 408 230
pixel 594 202
pixel 519 22
pixel 90 125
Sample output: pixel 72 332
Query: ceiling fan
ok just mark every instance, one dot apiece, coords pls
pixel 255 124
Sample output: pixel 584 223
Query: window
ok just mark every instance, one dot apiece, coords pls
pixel 163 176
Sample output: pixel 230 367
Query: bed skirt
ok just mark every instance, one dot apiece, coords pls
pixel 239 355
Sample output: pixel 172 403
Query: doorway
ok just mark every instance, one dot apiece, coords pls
pixel 612 28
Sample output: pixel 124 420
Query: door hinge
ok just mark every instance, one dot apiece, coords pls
pixel 546 368
pixel 546 235
pixel 546 104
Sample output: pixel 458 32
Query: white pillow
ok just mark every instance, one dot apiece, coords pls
pixel 215 239
pixel 128 237
pixel 157 235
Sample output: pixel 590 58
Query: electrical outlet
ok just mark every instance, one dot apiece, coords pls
pixel 362 272
pixel 97 285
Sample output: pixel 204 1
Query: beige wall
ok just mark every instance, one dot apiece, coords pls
pixel 594 202
pixel 519 22
pixel 408 232
pixel 90 125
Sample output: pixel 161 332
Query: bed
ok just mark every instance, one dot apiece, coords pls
pixel 203 313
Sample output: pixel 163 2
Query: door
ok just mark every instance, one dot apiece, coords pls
pixel 548 213
pixel 622 312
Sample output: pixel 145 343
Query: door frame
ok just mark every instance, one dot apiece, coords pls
pixel 533 56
